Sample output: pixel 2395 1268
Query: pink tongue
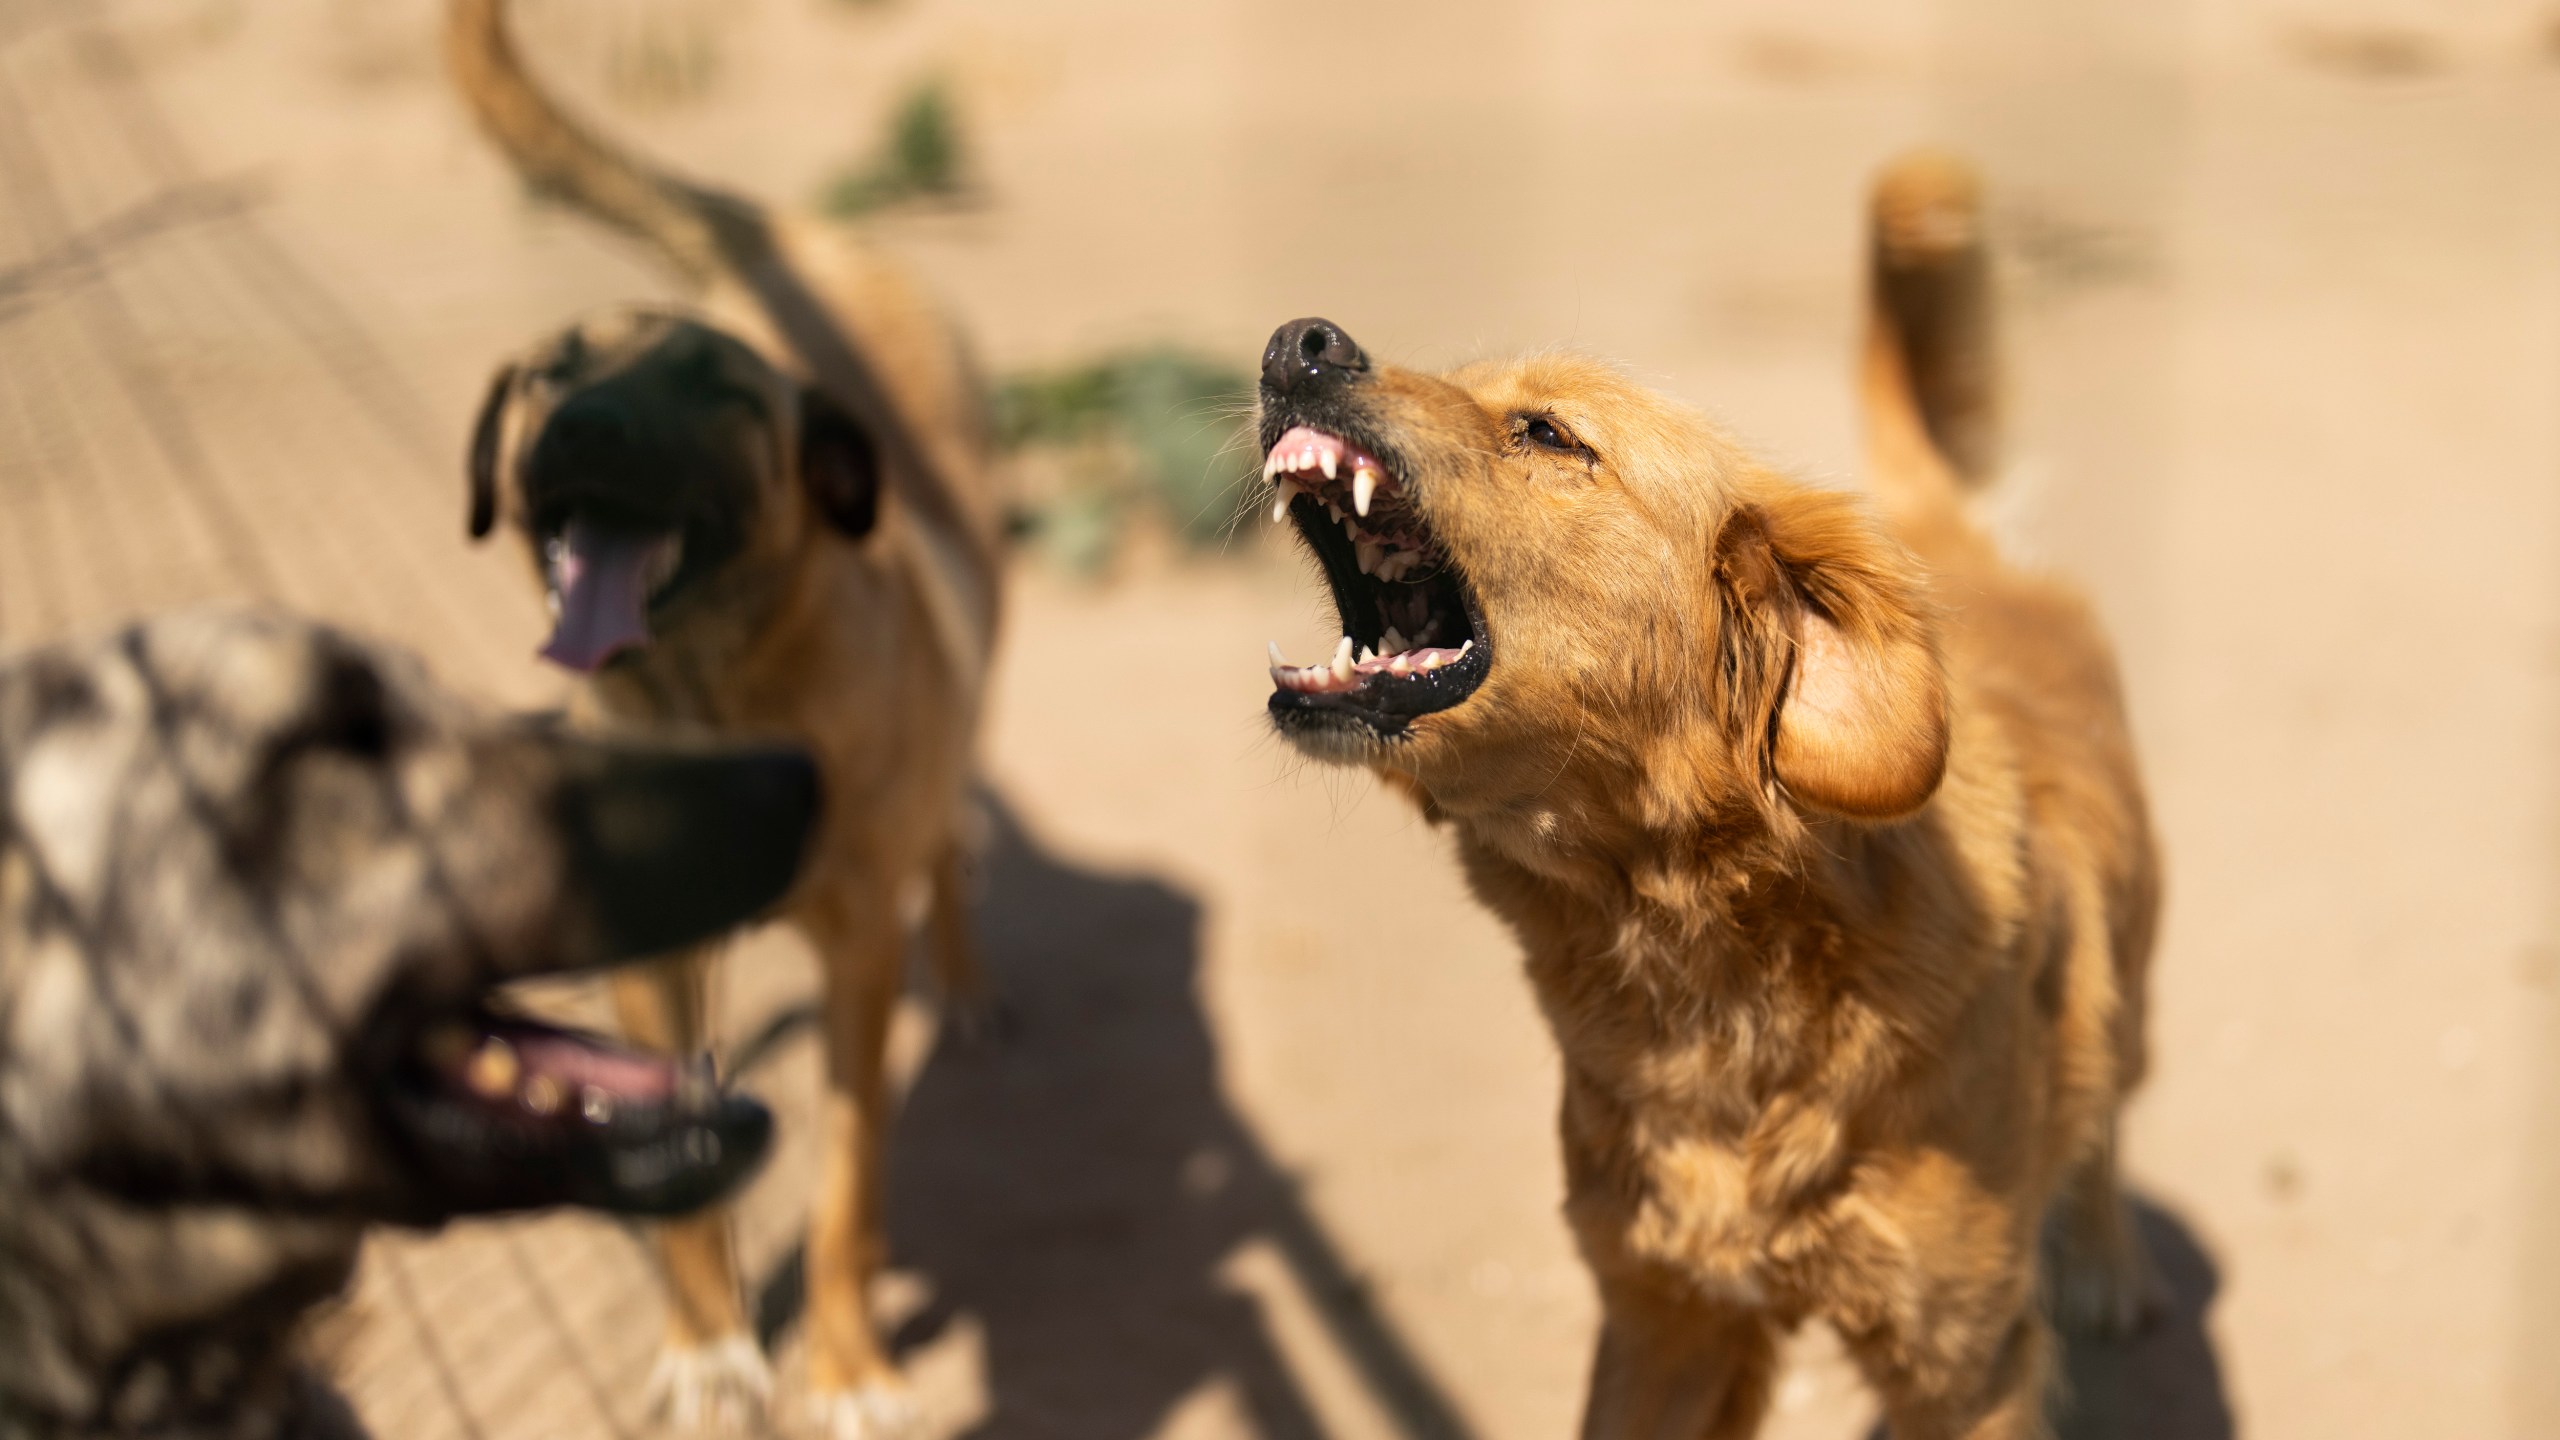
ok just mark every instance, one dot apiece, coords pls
pixel 575 1064
pixel 602 580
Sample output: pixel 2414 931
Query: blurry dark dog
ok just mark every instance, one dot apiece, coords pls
pixel 256 883
pixel 769 514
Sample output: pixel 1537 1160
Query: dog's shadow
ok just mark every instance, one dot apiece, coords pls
pixel 1078 1186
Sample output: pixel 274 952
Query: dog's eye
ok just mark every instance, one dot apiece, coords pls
pixel 1546 434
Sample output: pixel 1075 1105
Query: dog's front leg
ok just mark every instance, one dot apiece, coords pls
pixel 854 1389
pixel 710 1375
pixel 1674 1366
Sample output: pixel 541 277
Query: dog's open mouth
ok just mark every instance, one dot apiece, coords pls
pixel 508 1113
pixel 1413 638
pixel 602 581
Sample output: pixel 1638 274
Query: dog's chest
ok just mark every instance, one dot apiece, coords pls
pixel 1698 1128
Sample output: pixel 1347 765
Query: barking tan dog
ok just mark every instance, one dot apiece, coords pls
pixel 1822 834
pixel 258 882
pixel 768 514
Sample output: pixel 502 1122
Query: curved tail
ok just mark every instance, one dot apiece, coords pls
pixel 695 228
pixel 1930 373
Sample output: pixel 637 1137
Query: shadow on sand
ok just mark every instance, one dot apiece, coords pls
pixel 1080 1187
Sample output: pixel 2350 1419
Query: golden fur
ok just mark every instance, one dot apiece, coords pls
pixel 865 639
pixel 1826 846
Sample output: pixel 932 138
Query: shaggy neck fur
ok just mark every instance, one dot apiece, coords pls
pixel 79 1364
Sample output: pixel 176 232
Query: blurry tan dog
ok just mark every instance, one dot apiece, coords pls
pixel 770 513
pixel 1823 837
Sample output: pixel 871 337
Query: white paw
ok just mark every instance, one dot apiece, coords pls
pixel 881 1410
pixel 723 1386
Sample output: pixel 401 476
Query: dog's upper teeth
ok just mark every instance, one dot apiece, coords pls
pixel 1270 466
pixel 1329 462
pixel 1364 484
pixel 1280 501
pixel 493 1069
pixel 1369 554
pixel 595 1103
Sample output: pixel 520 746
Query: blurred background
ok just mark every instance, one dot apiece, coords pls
pixel 1270 1151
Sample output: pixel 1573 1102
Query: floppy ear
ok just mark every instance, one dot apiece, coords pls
pixel 1830 662
pixel 839 464
pixel 483 464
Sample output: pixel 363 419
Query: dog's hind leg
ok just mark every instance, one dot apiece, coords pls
pixel 2098 1278
pixel 970 1009
pixel 854 1390
pixel 710 1374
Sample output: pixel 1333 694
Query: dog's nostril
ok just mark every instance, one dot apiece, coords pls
pixel 1310 351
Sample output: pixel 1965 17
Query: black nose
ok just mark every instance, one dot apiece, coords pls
pixel 1306 354
pixel 593 429
pixel 672 847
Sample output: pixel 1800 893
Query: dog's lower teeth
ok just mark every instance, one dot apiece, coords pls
pixel 543 1095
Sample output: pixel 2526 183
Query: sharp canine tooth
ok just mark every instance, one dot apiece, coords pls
pixel 1332 463
pixel 493 1069
pixel 1280 501
pixel 1364 483
pixel 1342 659
pixel 1276 657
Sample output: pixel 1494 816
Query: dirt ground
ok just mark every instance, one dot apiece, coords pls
pixel 1270 1153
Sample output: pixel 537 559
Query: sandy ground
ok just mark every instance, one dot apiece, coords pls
pixel 1270 1153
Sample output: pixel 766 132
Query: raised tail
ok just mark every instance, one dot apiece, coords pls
pixel 1930 373
pixel 696 228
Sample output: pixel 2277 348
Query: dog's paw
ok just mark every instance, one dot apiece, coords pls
pixel 724 1387
pixel 878 1410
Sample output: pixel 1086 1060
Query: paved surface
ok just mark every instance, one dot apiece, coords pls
pixel 1271 1153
